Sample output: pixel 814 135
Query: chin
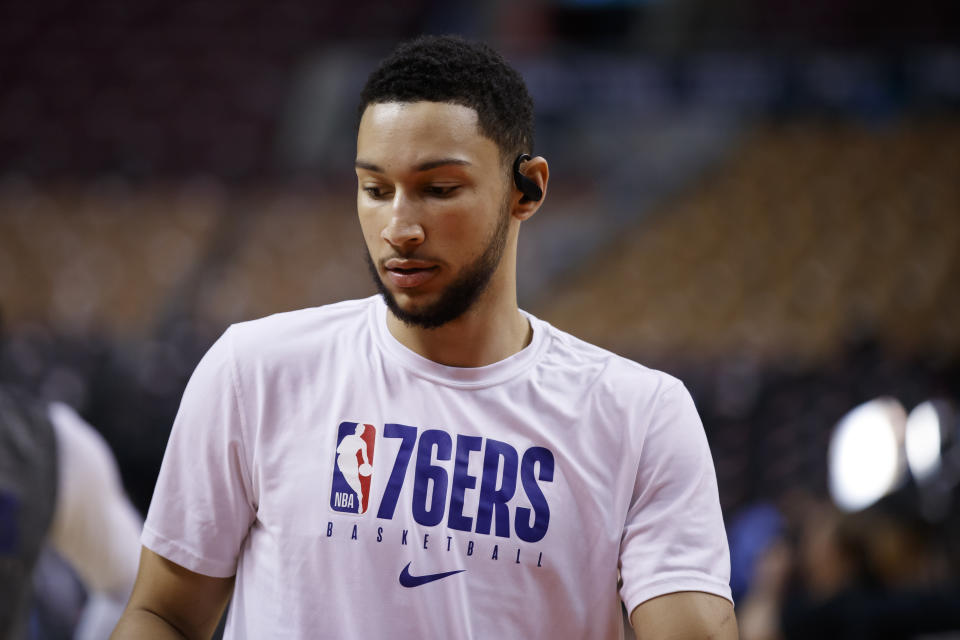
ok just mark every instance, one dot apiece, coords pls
pixel 413 303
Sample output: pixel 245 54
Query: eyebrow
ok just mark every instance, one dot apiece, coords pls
pixel 426 166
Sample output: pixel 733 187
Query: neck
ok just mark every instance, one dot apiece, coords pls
pixel 491 330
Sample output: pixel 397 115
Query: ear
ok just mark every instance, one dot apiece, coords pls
pixel 537 170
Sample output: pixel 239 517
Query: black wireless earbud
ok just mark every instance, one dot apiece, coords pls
pixel 531 190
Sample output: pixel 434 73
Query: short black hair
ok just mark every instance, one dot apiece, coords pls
pixel 458 71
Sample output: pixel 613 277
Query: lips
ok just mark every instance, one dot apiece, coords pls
pixel 407 274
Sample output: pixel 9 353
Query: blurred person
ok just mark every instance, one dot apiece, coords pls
pixel 758 613
pixel 28 491
pixel 869 574
pixel 60 488
pixel 510 472
pixel 750 532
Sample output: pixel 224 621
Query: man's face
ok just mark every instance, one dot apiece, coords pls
pixel 432 199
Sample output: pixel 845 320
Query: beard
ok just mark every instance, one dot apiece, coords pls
pixel 457 298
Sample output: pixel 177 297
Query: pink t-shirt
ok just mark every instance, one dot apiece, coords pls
pixel 358 490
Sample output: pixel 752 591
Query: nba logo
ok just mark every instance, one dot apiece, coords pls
pixel 353 467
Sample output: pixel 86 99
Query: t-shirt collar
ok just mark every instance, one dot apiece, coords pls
pixel 472 377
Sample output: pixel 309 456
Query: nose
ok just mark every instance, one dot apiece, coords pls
pixel 403 231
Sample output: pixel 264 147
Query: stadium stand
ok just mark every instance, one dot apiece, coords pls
pixel 809 235
pixel 100 255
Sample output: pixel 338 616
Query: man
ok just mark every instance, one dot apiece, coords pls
pixel 516 469
pixel 60 487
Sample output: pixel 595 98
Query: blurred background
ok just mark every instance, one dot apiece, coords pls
pixel 761 198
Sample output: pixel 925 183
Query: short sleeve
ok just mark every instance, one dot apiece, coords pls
pixel 203 504
pixel 673 538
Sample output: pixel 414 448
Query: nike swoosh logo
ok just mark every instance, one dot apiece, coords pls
pixel 408 580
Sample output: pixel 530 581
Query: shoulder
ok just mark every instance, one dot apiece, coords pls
pixel 623 401
pixel 604 371
pixel 299 332
pixel 327 317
